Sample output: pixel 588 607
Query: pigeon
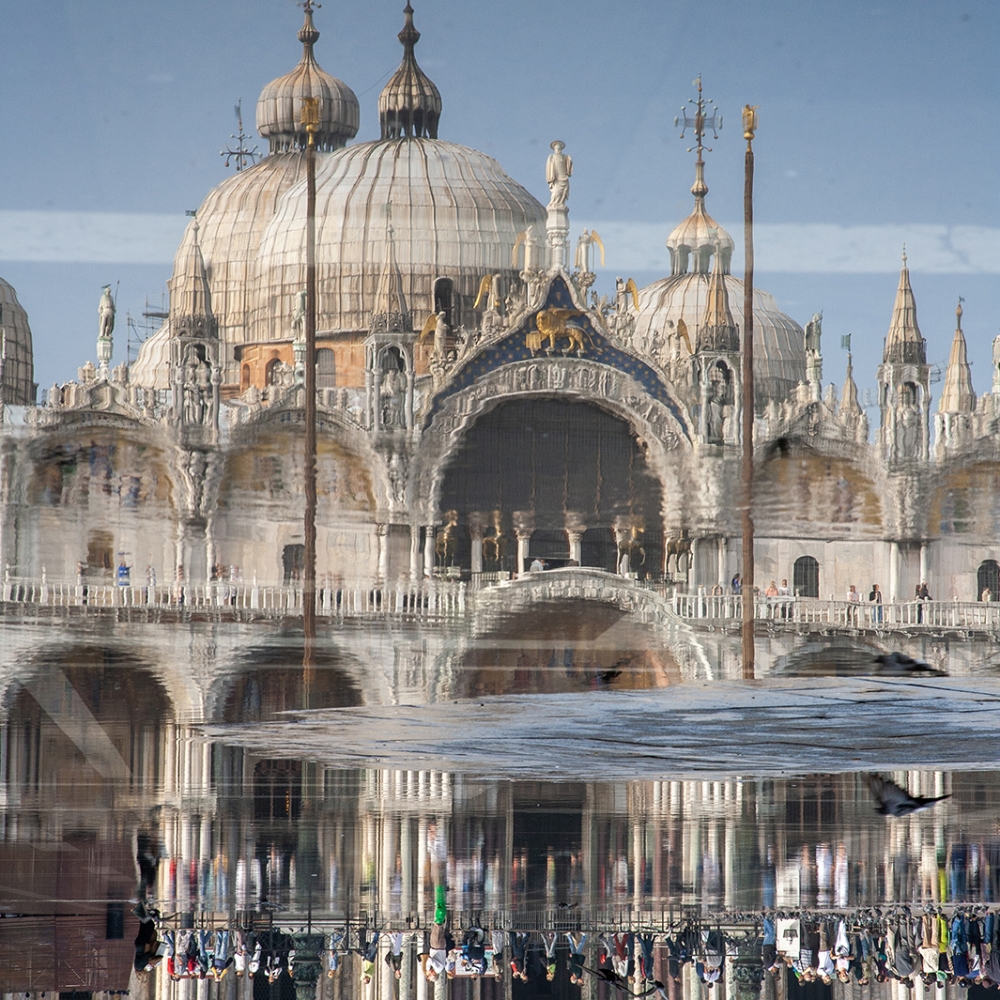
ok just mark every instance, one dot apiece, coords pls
pixel 895 801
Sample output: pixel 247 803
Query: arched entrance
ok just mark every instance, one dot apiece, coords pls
pixel 550 472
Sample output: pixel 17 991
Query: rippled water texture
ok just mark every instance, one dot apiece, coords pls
pixel 565 770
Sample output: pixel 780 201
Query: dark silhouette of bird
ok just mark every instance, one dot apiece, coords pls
pixel 895 801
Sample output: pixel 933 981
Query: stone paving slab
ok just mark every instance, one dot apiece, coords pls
pixel 777 727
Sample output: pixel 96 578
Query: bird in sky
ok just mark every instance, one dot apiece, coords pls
pixel 895 801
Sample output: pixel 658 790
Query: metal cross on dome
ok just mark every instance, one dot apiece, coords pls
pixel 309 5
pixel 240 154
pixel 706 116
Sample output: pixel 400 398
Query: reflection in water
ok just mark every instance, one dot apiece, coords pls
pixel 125 827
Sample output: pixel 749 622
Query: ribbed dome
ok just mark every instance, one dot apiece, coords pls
pixel 452 211
pixel 279 107
pixel 18 362
pixel 410 103
pixel 778 342
pixel 151 369
pixel 231 222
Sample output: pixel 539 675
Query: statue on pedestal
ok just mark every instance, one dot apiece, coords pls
pixel 558 170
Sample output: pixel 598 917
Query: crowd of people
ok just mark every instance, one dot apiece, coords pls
pixel 961 947
pixel 936 947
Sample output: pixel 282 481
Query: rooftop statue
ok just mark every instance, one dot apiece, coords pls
pixel 558 170
pixel 106 311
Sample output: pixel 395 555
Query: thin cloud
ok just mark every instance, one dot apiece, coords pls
pixel 799 248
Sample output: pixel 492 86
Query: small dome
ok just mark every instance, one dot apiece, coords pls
pixel 279 107
pixel 18 388
pixel 778 341
pixel 151 369
pixel 699 236
pixel 451 212
pixel 410 103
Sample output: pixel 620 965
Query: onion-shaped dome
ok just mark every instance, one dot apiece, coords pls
pixel 451 213
pixel 697 238
pixel 410 103
pixel 18 388
pixel 151 369
pixel 279 107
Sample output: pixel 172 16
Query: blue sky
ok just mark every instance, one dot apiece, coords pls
pixel 878 125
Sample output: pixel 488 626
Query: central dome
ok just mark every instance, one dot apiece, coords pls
pixel 450 213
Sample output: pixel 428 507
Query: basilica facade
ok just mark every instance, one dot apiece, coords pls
pixel 479 405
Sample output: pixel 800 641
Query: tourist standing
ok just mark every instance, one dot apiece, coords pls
pixel 875 600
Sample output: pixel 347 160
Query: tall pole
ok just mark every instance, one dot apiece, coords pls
pixel 747 588
pixel 310 119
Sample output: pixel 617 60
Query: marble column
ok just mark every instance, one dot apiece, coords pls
pixel 414 551
pixel 408 408
pixel 476 534
pixel 377 400
pixel 382 535
pixel 894 571
pixel 369 402
pixel 523 538
pixel 692 569
pixel 722 562
pixel 575 546
pixel 429 550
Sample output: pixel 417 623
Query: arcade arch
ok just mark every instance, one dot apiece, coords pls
pixel 659 426
pixel 533 475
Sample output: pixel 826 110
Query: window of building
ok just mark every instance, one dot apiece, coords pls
pixel 805 577
pixel 444 294
pixel 988 579
pixel 293 561
pixel 326 369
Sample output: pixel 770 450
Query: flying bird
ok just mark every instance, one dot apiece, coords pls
pixel 895 801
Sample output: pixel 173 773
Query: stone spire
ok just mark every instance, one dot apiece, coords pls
pixel 849 405
pixel 410 103
pixel 718 330
pixel 390 314
pixel 903 343
pixel 852 417
pixel 958 395
pixel 190 297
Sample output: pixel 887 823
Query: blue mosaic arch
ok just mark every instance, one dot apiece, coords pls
pixel 513 348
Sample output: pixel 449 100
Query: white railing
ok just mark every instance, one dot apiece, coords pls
pixel 430 598
pixel 969 615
